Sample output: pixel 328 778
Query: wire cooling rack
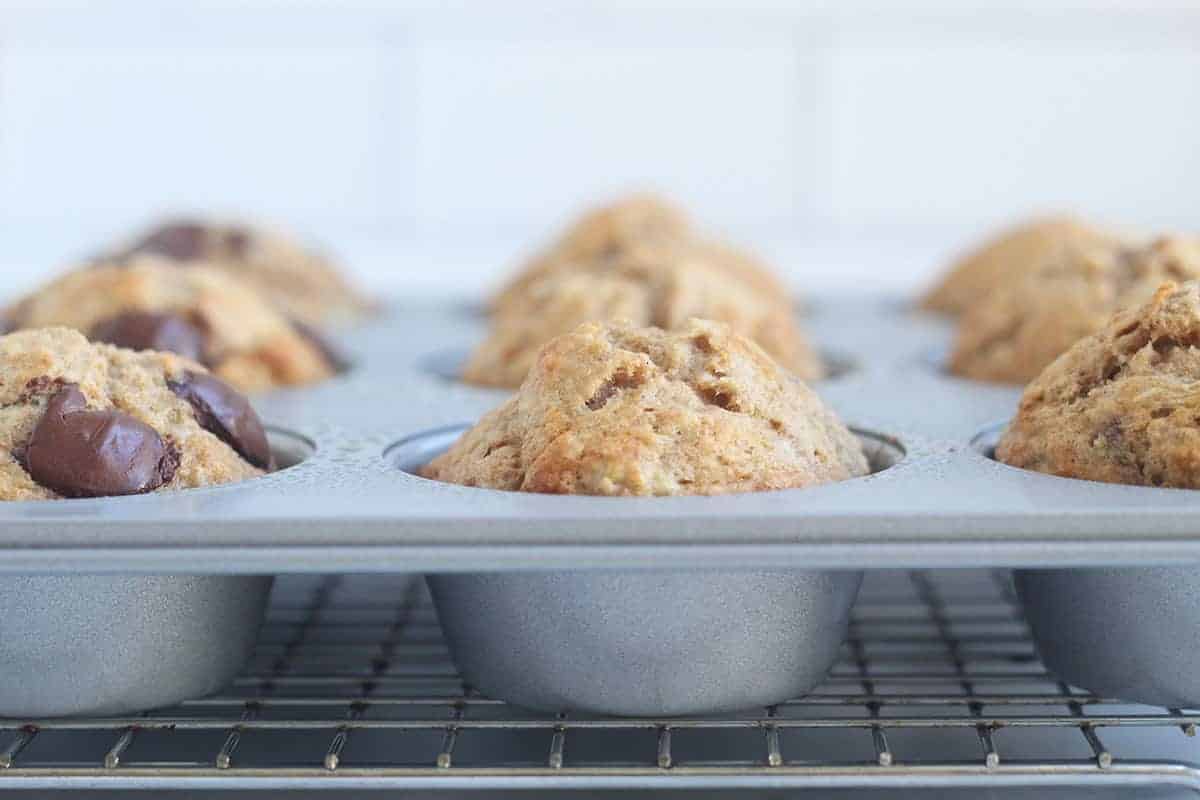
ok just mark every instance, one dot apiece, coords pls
pixel 938 685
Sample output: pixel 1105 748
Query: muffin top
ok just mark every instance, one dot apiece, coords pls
pixel 1121 405
pixel 616 409
pixel 599 233
pixel 1005 259
pixel 201 313
pixel 299 282
pixel 1014 333
pixel 661 284
pixel 91 420
pixel 599 236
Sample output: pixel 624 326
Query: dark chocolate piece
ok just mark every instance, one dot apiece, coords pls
pixel 227 414
pixel 80 453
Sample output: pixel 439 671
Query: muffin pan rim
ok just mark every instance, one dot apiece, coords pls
pixel 942 504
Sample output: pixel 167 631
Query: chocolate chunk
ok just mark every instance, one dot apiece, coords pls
pixel 237 241
pixel 144 330
pixel 332 355
pixel 225 413
pixel 81 453
pixel 182 241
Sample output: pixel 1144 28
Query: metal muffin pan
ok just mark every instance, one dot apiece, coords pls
pixel 643 643
pixel 119 644
pixel 350 507
pixel 97 644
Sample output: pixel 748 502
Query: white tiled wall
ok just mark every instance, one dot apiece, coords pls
pixel 431 141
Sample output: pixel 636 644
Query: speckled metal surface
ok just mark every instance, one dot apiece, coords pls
pixel 1127 633
pixel 645 643
pixel 351 503
pixel 103 644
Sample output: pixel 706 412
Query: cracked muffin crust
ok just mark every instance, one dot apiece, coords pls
pixel 615 409
pixel 89 420
pixel 201 313
pixel 1122 405
pixel 1014 333
pixel 300 283
pixel 661 284
pixel 1002 261
pixel 600 236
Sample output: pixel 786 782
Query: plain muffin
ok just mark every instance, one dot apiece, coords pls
pixel 1121 405
pixel 202 313
pixel 1003 260
pixel 600 235
pixel 90 420
pixel 617 409
pixel 1014 333
pixel 662 284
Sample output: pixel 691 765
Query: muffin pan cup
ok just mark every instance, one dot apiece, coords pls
pixel 645 643
pixel 106 645
pixel 1132 634
pixel 563 576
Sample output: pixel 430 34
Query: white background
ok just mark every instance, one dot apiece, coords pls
pixel 430 143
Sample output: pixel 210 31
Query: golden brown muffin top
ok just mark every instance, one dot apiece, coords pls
pixel 1004 259
pixel 1015 332
pixel 661 284
pixel 301 283
pixel 82 420
pixel 601 235
pixel 616 409
pixel 1122 404
pixel 199 312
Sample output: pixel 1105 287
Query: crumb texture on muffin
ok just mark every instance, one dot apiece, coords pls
pixel 600 233
pixel 199 312
pixel 599 236
pixel 301 283
pixel 1123 404
pixel 48 375
pixel 1015 332
pixel 616 409
pixel 661 284
pixel 1003 260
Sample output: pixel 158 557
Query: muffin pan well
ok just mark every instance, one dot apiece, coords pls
pixel 350 505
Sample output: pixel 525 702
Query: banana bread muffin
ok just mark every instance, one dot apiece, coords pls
pixel 1121 405
pixel 1014 333
pixel 603 234
pixel 299 282
pixel 92 420
pixel 615 409
pixel 662 284
pixel 1003 260
pixel 201 313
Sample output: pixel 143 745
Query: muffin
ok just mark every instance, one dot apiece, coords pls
pixel 661 284
pixel 91 420
pixel 1014 333
pixel 299 282
pixel 1004 260
pixel 603 234
pixel 618 409
pixel 201 313
pixel 1121 405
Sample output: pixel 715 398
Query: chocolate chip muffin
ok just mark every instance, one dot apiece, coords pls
pixel 91 420
pixel 299 282
pixel 605 233
pixel 661 284
pixel 1005 259
pixel 1121 405
pixel 201 313
pixel 616 409
pixel 1014 333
